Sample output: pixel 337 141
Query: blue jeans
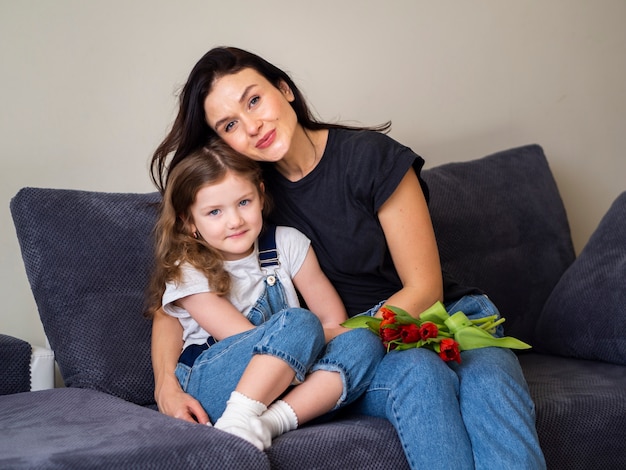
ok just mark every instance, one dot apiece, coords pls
pixel 477 414
pixel 294 335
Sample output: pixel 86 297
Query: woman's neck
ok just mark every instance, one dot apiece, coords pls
pixel 307 148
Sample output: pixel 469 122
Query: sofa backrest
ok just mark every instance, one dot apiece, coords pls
pixel 501 226
pixel 87 257
pixel 500 223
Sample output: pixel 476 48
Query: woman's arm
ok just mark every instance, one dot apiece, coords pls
pixel 409 232
pixel 320 296
pixel 166 346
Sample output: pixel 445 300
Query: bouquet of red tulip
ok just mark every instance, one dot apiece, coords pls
pixel 435 329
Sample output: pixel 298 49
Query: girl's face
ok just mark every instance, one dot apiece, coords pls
pixel 228 215
pixel 252 115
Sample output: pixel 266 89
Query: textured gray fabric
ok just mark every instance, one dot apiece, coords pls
pixel 501 226
pixel 79 428
pixel 15 364
pixel 87 257
pixel 359 442
pixel 581 411
pixel 585 316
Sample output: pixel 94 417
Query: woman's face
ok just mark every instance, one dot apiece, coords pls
pixel 251 115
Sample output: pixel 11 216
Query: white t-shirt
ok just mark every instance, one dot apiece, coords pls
pixel 247 282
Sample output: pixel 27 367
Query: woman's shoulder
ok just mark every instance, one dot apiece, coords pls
pixel 364 143
pixel 360 136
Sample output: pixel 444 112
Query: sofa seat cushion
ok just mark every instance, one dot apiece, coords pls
pixel 352 441
pixel 585 316
pixel 581 411
pixel 83 428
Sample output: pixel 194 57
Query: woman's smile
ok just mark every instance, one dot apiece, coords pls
pixel 267 140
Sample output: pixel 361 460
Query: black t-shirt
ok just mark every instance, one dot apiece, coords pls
pixel 336 206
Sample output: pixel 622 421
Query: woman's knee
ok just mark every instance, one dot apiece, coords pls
pixel 417 366
pixel 491 369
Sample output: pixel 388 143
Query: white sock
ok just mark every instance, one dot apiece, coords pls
pixel 278 419
pixel 236 420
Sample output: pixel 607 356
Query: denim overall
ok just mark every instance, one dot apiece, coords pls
pixel 211 371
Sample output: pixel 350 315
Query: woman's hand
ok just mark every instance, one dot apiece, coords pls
pixel 167 343
pixel 173 402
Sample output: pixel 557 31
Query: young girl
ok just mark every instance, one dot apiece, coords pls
pixel 245 338
pixel 358 195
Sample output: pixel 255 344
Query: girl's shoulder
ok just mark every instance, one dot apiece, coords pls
pixel 289 235
pixel 189 274
pixel 293 247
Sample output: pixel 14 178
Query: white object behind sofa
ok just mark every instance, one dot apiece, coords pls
pixel 41 368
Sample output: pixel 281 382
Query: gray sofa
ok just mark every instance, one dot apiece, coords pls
pixel 501 225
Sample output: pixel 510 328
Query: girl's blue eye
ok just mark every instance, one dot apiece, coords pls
pixel 214 212
pixel 245 202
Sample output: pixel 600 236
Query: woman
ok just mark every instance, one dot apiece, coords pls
pixel 358 196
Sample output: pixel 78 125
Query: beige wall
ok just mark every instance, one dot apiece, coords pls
pixel 87 89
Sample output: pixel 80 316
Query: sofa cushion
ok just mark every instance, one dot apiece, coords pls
pixel 501 226
pixel 581 411
pixel 348 441
pixel 585 316
pixel 87 258
pixel 15 355
pixel 80 428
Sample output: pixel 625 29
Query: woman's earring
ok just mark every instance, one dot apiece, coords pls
pixel 195 235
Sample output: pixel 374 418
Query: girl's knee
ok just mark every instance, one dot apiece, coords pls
pixel 358 345
pixel 301 320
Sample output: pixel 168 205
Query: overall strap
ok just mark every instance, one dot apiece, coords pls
pixel 268 254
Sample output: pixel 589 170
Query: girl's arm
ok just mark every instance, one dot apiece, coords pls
pixel 215 314
pixel 320 296
pixel 410 236
pixel 166 346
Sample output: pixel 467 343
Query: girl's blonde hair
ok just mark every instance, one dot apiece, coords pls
pixel 175 243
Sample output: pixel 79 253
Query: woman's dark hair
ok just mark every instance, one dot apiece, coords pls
pixel 190 130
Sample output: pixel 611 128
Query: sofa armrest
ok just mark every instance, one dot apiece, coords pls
pixel 25 367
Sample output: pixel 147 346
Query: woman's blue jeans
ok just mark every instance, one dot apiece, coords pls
pixel 473 415
pixel 294 335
